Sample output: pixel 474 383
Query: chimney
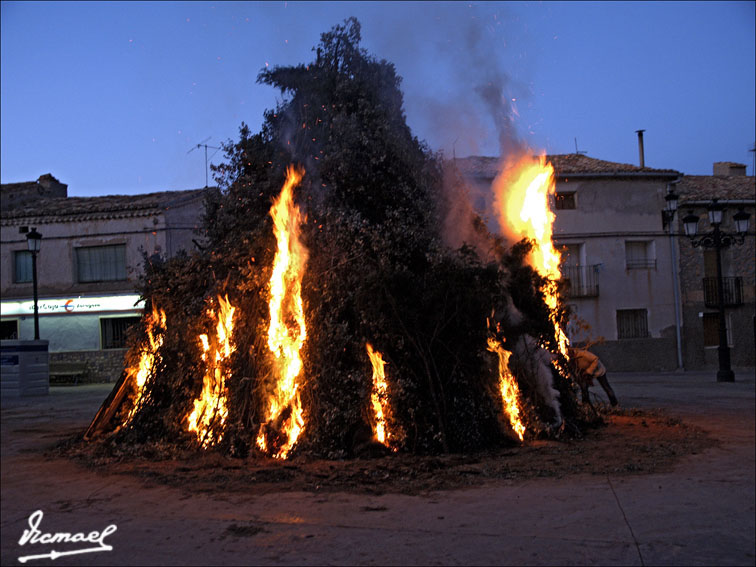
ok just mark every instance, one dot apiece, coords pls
pixel 51 187
pixel 25 193
pixel 730 169
pixel 641 157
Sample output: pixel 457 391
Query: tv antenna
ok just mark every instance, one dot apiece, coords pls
pixel 579 152
pixel 203 144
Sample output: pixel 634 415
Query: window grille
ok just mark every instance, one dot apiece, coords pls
pixel 113 331
pixel 639 255
pixel 581 281
pixel 22 271
pixel 632 323
pixel 732 288
pixel 564 200
pixel 101 263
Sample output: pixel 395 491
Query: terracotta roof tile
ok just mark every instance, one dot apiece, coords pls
pixel 21 186
pixel 564 164
pixel 107 205
pixel 729 163
pixel 707 187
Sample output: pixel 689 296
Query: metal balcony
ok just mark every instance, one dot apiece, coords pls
pixel 581 281
pixel 733 291
pixel 641 264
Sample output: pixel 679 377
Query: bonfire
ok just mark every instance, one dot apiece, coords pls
pixel 338 316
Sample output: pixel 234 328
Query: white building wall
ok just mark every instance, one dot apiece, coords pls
pixel 610 212
pixel 164 229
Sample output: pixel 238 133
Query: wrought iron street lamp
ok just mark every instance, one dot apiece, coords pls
pixel 668 215
pixel 34 242
pixel 718 240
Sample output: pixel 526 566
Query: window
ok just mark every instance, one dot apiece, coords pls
pixel 22 266
pixel 565 200
pixel 581 281
pixel 732 290
pixel 113 331
pixel 572 254
pixel 710 263
pixel 711 329
pixel 632 323
pixel 101 263
pixel 9 330
pixel 640 254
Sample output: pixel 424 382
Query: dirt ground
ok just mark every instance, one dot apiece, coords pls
pixel 630 442
pixel 668 480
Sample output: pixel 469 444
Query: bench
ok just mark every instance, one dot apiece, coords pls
pixel 68 372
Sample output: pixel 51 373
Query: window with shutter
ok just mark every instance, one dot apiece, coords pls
pixel 22 266
pixel 632 323
pixel 101 263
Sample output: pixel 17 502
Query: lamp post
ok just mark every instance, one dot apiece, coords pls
pixel 668 215
pixel 718 240
pixel 34 242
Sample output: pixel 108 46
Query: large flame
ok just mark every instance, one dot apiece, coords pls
pixel 286 331
pixel 522 191
pixel 510 392
pixel 378 395
pixel 155 323
pixel 211 408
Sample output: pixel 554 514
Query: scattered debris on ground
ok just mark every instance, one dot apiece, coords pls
pixel 632 442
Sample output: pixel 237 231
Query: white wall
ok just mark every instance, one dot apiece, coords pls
pixel 608 213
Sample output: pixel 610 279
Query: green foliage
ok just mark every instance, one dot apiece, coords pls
pixel 377 272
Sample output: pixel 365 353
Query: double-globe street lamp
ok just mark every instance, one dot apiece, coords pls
pixel 34 242
pixel 718 240
pixel 668 214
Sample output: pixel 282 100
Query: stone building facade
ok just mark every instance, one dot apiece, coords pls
pixel 736 191
pixel 616 254
pixel 91 256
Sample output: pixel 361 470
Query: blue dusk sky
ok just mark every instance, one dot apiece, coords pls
pixel 110 97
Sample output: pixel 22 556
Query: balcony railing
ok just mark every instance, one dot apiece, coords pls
pixel 641 264
pixel 581 281
pixel 732 288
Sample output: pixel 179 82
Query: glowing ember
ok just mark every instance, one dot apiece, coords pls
pixel 287 331
pixel 155 323
pixel 510 393
pixel 210 409
pixel 378 395
pixel 522 192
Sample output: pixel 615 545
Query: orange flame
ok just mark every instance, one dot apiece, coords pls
pixel 149 354
pixel 510 392
pixel 287 331
pixel 378 395
pixel 522 191
pixel 211 408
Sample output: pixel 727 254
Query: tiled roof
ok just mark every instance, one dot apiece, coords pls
pixel 108 206
pixel 564 164
pixel 730 164
pixel 707 187
pixel 21 186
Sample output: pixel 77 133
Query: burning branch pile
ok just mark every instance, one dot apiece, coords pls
pixel 208 416
pixel 284 340
pixel 338 318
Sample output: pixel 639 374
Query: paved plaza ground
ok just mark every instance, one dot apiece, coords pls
pixel 700 511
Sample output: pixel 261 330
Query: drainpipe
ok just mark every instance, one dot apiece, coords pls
pixel 675 280
pixel 641 156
